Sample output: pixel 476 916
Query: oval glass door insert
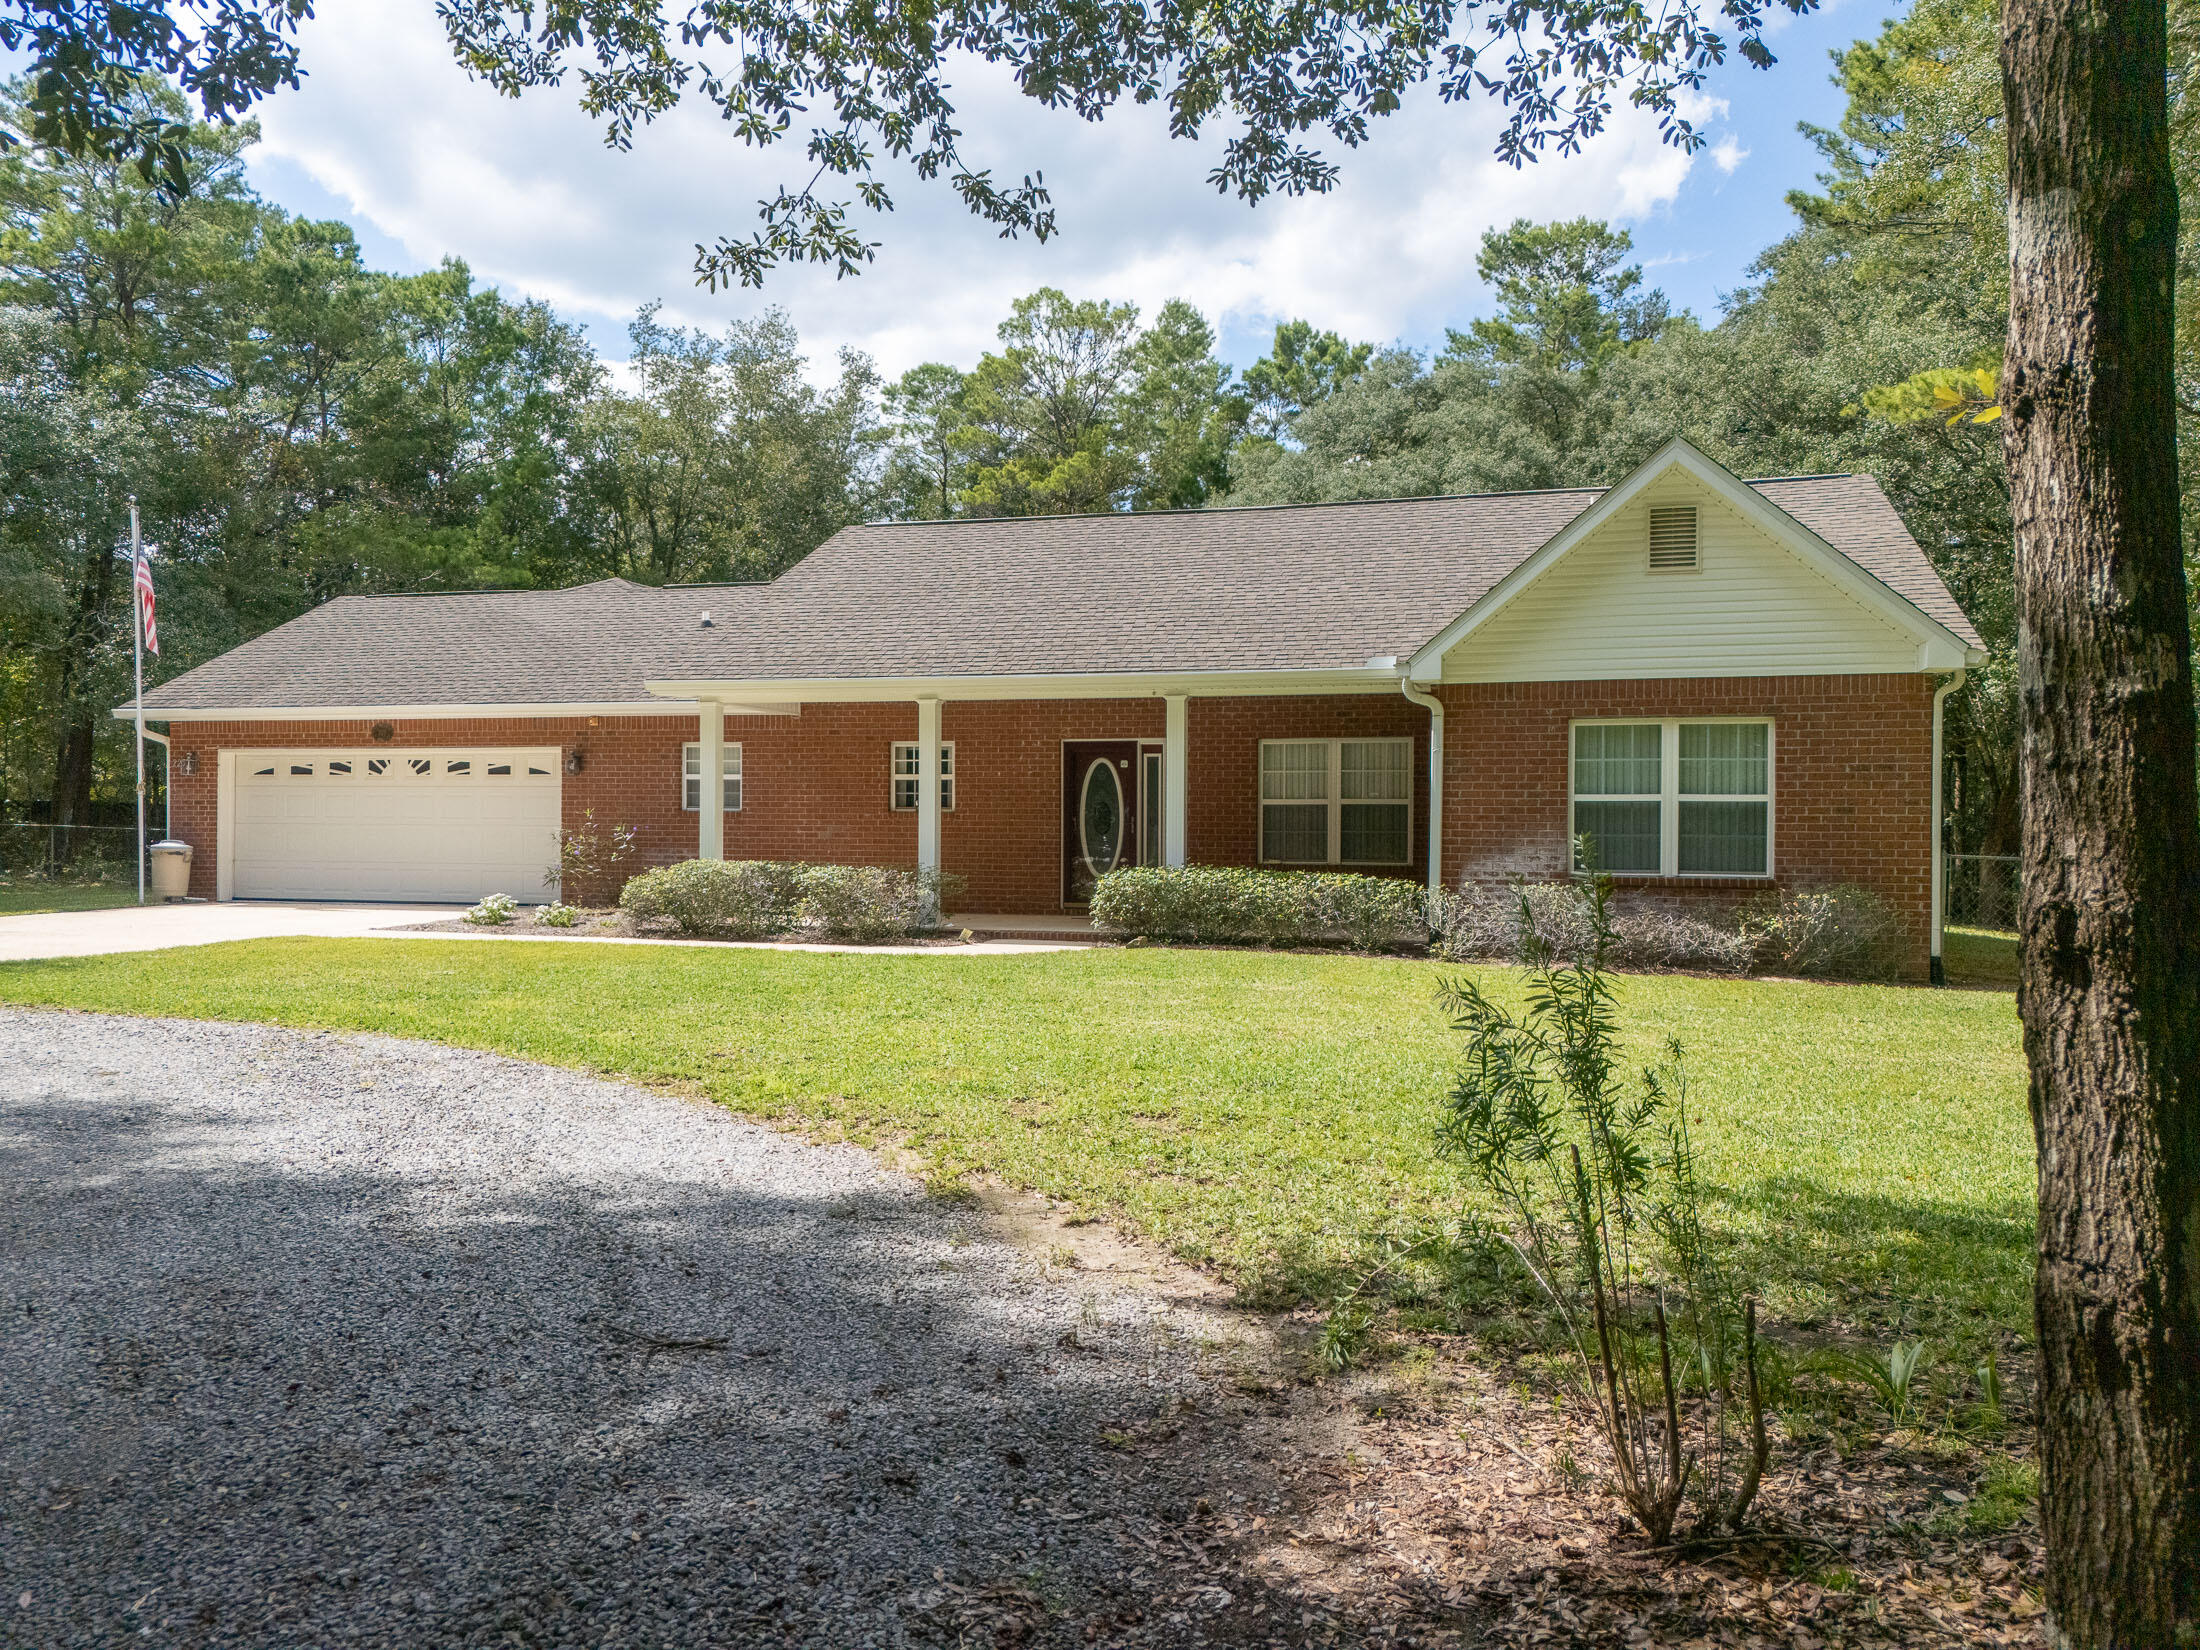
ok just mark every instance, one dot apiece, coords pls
pixel 1100 818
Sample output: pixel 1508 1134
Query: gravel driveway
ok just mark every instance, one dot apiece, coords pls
pixel 343 1340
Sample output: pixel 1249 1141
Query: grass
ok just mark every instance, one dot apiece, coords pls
pixel 23 898
pixel 1979 957
pixel 1867 1147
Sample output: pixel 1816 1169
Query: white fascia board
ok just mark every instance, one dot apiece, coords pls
pixel 1216 684
pixel 430 713
pixel 1939 648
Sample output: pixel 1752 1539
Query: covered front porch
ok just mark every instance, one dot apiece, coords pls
pixel 1029 791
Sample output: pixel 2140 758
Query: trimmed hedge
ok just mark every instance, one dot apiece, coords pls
pixel 751 899
pixel 1216 904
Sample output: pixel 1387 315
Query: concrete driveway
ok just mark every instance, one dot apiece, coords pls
pixel 158 927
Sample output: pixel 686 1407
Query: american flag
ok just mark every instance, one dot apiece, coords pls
pixel 144 583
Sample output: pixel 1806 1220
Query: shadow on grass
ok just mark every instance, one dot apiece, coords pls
pixel 1870 1264
pixel 1853 1264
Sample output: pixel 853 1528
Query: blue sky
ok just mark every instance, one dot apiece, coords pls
pixel 389 135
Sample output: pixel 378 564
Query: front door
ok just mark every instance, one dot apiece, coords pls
pixel 1100 812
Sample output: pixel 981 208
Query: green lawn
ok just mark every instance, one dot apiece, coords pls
pixel 22 898
pixel 1867 1146
pixel 1979 956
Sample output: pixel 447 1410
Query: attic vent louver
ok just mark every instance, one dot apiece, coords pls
pixel 1673 538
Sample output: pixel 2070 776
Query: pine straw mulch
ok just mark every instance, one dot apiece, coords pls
pixel 1462 1499
pixel 1444 1508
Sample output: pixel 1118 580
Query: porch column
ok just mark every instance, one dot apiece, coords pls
pixel 1174 770
pixel 710 802
pixel 928 785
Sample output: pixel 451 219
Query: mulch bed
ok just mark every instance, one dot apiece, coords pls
pixel 1435 1512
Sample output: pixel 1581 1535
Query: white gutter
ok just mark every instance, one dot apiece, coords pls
pixel 1435 708
pixel 1937 971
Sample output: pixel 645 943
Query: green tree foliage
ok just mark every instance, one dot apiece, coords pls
pixel 1081 409
pixel 297 425
pixel 926 423
pixel 724 462
pixel 1568 299
pixel 1302 369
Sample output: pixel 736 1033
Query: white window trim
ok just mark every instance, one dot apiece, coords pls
pixel 729 774
pixel 894 775
pixel 1669 799
pixel 1335 801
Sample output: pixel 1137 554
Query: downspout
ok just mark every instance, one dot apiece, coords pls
pixel 1435 708
pixel 1937 971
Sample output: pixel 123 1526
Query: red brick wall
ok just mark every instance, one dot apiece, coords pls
pixel 1853 764
pixel 1852 786
pixel 1222 820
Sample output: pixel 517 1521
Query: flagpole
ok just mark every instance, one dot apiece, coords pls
pixel 137 671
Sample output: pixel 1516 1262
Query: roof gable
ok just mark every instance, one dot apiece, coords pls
pixel 1940 640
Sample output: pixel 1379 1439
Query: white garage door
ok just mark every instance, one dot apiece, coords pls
pixel 394 824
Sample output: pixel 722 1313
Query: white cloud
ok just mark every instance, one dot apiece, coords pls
pixel 526 193
pixel 1728 153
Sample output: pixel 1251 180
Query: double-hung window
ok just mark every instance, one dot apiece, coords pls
pixel 1673 798
pixel 907 770
pixel 1336 801
pixel 691 777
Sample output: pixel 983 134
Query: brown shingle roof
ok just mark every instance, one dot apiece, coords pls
pixel 588 644
pixel 1299 587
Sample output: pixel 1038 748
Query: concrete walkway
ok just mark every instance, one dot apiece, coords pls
pixel 162 927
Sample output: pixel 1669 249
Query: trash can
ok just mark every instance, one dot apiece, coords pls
pixel 171 869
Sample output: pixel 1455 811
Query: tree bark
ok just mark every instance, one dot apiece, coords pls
pixel 73 749
pixel 2110 984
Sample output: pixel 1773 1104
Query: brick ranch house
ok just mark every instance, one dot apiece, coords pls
pixel 1729 685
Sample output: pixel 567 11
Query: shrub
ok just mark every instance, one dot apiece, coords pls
pixel 754 898
pixel 1842 933
pixel 591 858
pixel 1493 923
pixel 873 902
pixel 738 898
pixel 1597 1180
pixel 494 911
pixel 559 915
pixel 1214 904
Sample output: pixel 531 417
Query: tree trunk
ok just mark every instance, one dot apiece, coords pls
pixel 72 765
pixel 2110 988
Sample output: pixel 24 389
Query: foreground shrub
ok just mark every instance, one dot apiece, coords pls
pixel 749 899
pixel 873 902
pixel 1597 1180
pixel 1218 904
pixel 743 899
pixel 1845 933
pixel 557 915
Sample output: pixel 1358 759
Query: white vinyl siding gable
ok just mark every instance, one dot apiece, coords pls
pixel 1751 606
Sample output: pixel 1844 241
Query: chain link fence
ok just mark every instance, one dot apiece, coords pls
pixel 1982 891
pixel 72 853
